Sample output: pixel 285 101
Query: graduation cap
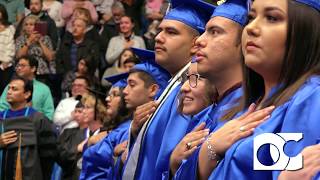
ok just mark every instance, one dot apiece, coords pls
pixel 235 10
pixel 312 3
pixel 193 13
pixel 149 65
pixel 118 80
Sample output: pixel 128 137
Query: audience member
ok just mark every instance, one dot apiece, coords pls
pixel 69 6
pixel 83 69
pixel 15 9
pixel 133 9
pixel 54 8
pixel 32 43
pixel 75 48
pixel 103 8
pixel 47 27
pixel 62 115
pixel 111 27
pixel 126 39
pixel 119 67
pixel 7 48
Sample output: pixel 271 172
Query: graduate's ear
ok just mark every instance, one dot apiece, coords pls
pixel 153 89
pixel 194 46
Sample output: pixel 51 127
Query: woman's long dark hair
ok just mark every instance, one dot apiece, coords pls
pixel 4 20
pixel 123 114
pixel 302 59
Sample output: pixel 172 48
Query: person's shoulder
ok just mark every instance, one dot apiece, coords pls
pixel 21 38
pixel 56 3
pixel 1 114
pixel 41 85
pixel 32 110
pixel 309 91
pixel 11 29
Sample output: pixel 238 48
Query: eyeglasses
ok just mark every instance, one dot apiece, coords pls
pixel 193 79
pixel 21 66
pixel 113 95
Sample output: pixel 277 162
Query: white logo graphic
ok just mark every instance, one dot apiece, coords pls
pixel 277 142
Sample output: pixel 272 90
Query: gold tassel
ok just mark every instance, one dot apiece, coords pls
pixel 18 175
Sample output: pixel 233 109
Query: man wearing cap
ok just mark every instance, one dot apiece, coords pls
pixel 152 142
pixel 146 81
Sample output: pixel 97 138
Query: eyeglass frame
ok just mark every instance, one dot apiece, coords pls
pixel 191 84
pixel 21 65
pixel 113 95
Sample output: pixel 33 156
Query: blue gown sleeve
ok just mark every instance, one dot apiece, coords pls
pixel 98 159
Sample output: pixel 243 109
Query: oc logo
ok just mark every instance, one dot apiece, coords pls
pixel 277 142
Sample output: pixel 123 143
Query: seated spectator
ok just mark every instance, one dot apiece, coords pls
pixel 54 8
pixel 62 116
pixel 83 69
pixel 50 28
pixel 69 6
pixel 126 39
pixel 120 66
pixel 7 48
pixel 72 49
pixel 15 9
pixel 32 43
pixel 41 98
pixel 25 157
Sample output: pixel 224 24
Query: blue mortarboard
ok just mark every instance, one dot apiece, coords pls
pixel 235 10
pixel 149 65
pixel 194 13
pixel 312 3
pixel 118 80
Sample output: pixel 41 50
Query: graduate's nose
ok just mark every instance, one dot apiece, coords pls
pixel 185 87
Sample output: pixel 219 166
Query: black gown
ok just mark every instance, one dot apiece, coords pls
pixel 68 155
pixel 37 145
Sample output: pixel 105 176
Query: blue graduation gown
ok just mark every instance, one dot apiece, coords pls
pixel 298 115
pixel 211 116
pixel 98 159
pixel 163 134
